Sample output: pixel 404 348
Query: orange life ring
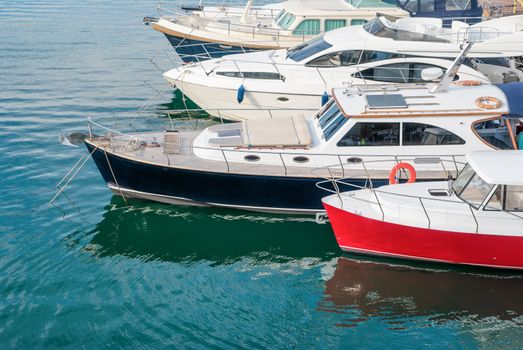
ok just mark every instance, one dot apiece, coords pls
pixel 398 167
pixel 469 83
pixel 488 102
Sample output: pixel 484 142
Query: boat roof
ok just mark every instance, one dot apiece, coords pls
pixel 312 8
pixel 415 100
pixel 498 167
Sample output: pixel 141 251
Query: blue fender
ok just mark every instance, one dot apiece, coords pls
pixel 241 94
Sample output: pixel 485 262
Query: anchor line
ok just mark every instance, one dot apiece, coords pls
pixel 114 177
pixel 72 176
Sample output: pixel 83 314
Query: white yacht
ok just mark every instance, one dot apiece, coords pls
pixel 201 35
pixel 377 53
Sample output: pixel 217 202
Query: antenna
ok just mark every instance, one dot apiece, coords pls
pixel 449 75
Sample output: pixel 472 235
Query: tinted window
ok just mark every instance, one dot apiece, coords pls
pixel 351 57
pixel 396 73
pixel 331 120
pixel 251 75
pixel 457 5
pixel 494 132
pixel 307 49
pixel 372 134
pixel 286 21
pixel 416 134
pixel 331 24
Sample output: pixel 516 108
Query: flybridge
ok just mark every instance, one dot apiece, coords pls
pixel 416 100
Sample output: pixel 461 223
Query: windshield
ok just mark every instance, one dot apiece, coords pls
pixel 372 3
pixel 307 49
pixel 463 179
pixel 377 28
pixel 475 191
pixel 286 20
pixel 331 120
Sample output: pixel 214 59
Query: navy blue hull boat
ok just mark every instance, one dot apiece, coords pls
pixel 366 135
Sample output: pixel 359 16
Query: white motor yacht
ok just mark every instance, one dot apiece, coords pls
pixel 377 53
pixel 202 34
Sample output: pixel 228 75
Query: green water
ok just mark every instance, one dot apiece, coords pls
pixel 91 271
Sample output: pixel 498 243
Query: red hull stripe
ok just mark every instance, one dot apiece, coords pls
pixel 360 234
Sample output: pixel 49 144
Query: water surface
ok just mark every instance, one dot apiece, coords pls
pixel 95 272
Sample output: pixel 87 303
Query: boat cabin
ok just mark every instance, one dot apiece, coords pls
pixel 374 121
pixel 492 181
pixel 315 17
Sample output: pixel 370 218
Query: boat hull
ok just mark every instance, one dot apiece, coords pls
pixel 276 194
pixel 191 50
pixel 363 235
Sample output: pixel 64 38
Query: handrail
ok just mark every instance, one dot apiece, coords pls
pixel 421 199
pixel 138 140
pixel 279 66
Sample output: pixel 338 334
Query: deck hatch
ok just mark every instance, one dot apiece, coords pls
pixel 386 101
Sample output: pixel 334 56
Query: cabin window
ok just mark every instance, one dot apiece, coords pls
pixel 286 20
pixel 308 27
pixel 252 75
pixel 494 132
pixel 396 73
pixel 509 198
pixel 457 5
pixel 357 22
pixel 351 57
pixel 331 24
pixel 307 49
pixel 418 134
pixel 412 5
pixel 514 198
pixel 371 134
pixel 476 190
pixel 331 120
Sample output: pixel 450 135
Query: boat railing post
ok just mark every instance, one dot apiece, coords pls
pixel 379 203
pixel 283 162
pixel 367 174
pixel 229 28
pixel 342 167
pixel 474 216
pixel 270 113
pixel 455 165
pixel 335 185
pixel 226 162
pixel 424 210
pixel 443 166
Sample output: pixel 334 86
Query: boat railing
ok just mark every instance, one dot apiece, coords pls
pixel 218 9
pixel 329 166
pixel 401 203
pixel 241 65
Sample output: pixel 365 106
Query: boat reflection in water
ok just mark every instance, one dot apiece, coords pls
pixel 397 292
pixel 153 231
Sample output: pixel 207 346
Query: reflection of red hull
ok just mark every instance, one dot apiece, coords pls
pixel 356 233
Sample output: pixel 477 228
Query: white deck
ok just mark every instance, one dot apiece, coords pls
pixel 446 213
pixel 419 101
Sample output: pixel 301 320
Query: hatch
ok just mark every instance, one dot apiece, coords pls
pixel 386 101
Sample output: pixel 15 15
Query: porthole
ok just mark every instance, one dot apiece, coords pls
pixel 300 159
pixel 353 160
pixel 283 99
pixel 251 158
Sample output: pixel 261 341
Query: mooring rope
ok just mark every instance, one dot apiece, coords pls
pixel 114 177
pixel 72 176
